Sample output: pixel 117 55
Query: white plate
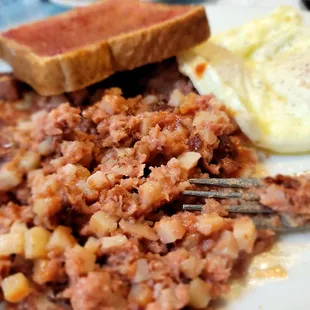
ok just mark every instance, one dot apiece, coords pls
pixel 292 252
pixel 4 67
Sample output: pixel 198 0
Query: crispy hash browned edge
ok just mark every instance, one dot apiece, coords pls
pixel 90 192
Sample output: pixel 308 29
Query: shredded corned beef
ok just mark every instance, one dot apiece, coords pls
pixel 90 186
pixel 288 195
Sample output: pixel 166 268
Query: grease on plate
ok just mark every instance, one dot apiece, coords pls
pixel 274 272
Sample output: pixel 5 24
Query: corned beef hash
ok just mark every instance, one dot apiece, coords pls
pixel 93 163
pixel 91 199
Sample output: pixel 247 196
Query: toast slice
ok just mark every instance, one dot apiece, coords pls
pixel 73 50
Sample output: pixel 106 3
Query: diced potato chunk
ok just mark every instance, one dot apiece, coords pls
pixel 150 192
pixel 15 287
pixel 9 178
pixel 11 243
pixel 142 271
pixel 41 271
pixel 39 207
pixel 245 234
pixel 141 294
pixel 209 223
pixel 199 294
pixel 44 206
pixel 170 230
pixel 173 297
pixel 87 259
pixel 176 98
pixel 102 223
pixel 88 193
pixel 208 135
pixel 192 267
pixel 203 118
pixel 149 99
pixel 18 227
pixel 188 104
pixel 145 126
pixel 141 230
pixel 92 244
pixel 46 147
pixel 97 180
pixel 30 161
pixel 61 239
pixel 122 152
pixel 108 243
pixel 226 245
pixel 36 240
pixel 189 160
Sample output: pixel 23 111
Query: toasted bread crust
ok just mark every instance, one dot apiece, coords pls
pixel 74 70
pixel 159 41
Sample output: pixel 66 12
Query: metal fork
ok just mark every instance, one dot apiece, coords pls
pixel 262 216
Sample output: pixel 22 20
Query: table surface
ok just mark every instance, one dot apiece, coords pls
pixel 14 12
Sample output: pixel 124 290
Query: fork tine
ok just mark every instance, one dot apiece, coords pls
pixel 288 221
pixel 266 222
pixel 278 223
pixel 241 183
pixel 264 218
pixel 249 208
pixel 188 207
pixel 223 195
pixel 285 223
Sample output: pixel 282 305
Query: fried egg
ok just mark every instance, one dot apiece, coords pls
pixel 261 72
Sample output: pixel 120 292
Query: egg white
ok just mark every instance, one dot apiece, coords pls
pixel 261 72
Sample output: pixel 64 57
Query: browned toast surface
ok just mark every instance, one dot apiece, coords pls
pixel 82 27
pixel 81 47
